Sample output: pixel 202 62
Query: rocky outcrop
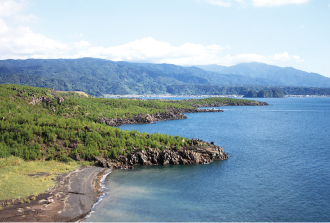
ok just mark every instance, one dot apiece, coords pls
pixel 150 118
pixel 198 153
pixel 35 100
pixel 238 103
pixel 47 100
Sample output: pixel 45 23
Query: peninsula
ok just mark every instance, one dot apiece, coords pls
pixel 40 125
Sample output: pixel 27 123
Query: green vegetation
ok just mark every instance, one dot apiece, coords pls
pixel 39 127
pixel 98 77
pixel 274 93
pixel 53 130
pixel 21 178
pixel 209 101
pixel 65 126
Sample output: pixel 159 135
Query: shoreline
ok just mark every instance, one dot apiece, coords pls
pixel 79 191
pixel 72 199
pixel 101 196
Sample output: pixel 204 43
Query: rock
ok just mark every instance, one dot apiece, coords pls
pixel 170 114
pixel 102 162
pixel 200 153
pixel 60 100
pixel 88 129
pixel 77 157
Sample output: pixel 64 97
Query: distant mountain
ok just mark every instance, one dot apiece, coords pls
pixel 281 76
pixel 98 77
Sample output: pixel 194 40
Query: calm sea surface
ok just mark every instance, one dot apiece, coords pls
pixel 278 169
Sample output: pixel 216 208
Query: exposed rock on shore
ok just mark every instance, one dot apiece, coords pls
pixel 150 118
pixel 198 152
pixel 238 103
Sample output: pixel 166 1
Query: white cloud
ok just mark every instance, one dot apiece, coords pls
pixel 153 51
pixel 268 3
pixel 22 43
pixel 3 27
pixel 297 58
pixel 11 7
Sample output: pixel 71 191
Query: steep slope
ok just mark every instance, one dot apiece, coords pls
pixel 281 76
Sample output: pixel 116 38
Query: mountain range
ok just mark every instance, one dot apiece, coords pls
pixel 280 76
pixel 98 77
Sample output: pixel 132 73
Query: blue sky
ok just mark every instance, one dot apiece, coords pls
pixel 292 33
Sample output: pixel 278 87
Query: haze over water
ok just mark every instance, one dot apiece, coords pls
pixel 278 169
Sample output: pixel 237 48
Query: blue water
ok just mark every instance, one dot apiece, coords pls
pixel 278 169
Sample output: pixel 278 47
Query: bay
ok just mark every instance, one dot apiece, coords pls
pixel 278 169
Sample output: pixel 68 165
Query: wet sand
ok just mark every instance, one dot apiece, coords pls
pixel 71 200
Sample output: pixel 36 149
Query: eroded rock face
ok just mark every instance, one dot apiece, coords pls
pixel 35 100
pixel 196 154
pixel 150 118
pixel 47 100
pixel 218 104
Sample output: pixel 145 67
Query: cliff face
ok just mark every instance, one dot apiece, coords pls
pixel 219 104
pixel 150 118
pixel 196 153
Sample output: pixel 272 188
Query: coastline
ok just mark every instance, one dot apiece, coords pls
pixel 71 200
pixel 77 192
pixel 101 196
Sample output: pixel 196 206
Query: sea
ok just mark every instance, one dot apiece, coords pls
pixel 278 169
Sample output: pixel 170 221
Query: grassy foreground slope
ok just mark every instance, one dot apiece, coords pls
pixel 24 180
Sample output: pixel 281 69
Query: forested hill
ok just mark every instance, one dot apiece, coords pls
pixel 281 76
pixel 39 123
pixel 98 77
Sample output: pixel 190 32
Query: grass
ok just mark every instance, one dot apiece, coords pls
pixel 19 178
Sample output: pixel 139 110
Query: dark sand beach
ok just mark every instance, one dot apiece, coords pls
pixel 72 199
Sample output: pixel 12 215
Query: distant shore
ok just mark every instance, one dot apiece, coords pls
pixel 198 96
pixel 170 96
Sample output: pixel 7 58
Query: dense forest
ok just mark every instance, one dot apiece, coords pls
pixel 98 77
pixel 274 93
pixel 40 123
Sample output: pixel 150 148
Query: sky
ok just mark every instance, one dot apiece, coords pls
pixel 294 33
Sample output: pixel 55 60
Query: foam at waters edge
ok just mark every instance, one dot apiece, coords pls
pixel 103 194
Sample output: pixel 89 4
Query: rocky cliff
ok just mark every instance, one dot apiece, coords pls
pixel 238 103
pixel 198 152
pixel 150 118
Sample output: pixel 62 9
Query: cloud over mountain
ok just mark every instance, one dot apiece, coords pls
pixel 21 42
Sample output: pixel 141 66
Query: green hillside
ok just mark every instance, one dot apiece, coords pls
pixel 98 77
pixel 39 123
